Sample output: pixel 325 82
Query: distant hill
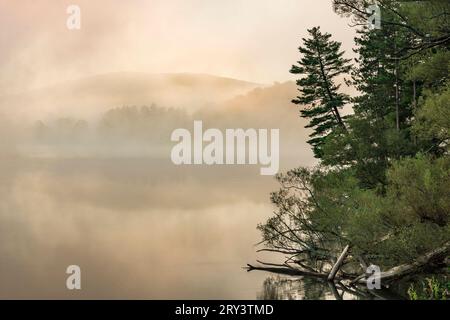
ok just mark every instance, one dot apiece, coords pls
pixel 271 107
pixel 93 95
pixel 104 114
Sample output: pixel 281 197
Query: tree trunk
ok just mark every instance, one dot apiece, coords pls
pixel 397 93
pixel 437 255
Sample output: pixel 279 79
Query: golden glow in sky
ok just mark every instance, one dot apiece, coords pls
pixel 254 40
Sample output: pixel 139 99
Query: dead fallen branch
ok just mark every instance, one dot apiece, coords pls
pixel 428 259
pixel 338 264
pixel 287 270
pixel 435 257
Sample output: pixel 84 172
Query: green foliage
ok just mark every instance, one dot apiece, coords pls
pixel 432 69
pixel 379 130
pixel 419 188
pixel 327 208
pixel 321 63
pixel 383 185
pixel 433 120
pixel 430 289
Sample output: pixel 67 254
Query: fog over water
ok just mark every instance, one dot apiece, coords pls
pixel 137 229
pixel 101 192
pixel 85 170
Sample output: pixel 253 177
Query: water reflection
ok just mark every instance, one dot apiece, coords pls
pixel 309 288
pixel 281 288
pixel 138 228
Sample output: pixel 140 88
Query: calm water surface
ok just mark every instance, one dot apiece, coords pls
pixel 138 228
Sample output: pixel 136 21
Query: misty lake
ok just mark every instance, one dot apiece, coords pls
pixel 102 193
pixel 139 228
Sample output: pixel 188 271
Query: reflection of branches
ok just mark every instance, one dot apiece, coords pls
pixel 281 288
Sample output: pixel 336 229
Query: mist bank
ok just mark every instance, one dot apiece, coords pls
pixel 144 130
pixel 99 189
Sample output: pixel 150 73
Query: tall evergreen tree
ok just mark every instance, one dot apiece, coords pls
pixel 384 195
pixel 379 129
pixel 321 63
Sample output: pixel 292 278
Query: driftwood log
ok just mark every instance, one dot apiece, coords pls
pixel 437 257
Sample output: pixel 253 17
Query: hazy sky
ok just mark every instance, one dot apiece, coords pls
pixel 253 40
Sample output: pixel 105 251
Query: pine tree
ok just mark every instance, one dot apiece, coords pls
pixel 386 195
pixel 321 63
pixel 380 128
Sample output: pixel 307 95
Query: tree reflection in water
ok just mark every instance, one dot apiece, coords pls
pixel 280 288
pixel 305 288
